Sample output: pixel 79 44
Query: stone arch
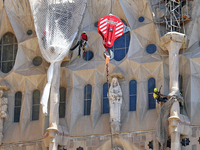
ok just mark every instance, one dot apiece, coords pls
pixel 118 142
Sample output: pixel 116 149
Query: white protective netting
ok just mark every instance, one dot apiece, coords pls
pixel 56 25
pixel 162 124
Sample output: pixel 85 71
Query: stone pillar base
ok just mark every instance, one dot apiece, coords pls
pixel 115 126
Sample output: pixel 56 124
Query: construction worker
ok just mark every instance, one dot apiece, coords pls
pixel 45 34
pixel 159 97
pixel 181 103
pixel 81 43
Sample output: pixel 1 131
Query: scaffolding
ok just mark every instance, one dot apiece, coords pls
pixel 173 14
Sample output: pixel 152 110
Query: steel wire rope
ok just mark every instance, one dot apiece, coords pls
pixel 107 70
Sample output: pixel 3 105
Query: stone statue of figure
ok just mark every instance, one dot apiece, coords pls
pixel 115 101
pixel 3 113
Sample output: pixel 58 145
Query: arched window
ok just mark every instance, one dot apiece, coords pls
pixel 180 83
pixel 87 99
pixel 121 45
pixel 151 86
pixel 36 105
pixel 62 102
pixel 105 98
pixel 8 52
pixel 17 108
pixel 132 95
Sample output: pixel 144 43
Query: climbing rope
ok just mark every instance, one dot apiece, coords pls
pixel 107 76
pixel 184 45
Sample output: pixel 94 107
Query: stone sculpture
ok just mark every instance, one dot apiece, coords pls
pixel 3 113
pixel 115 101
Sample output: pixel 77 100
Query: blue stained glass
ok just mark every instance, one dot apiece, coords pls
pixel 105 106
pixel 151 85
pixel 105 98
pixel 88 92
pixel 141 19
pixel 132 87
pixel 105 89
pixel 96 24
pixel 120 43
pixel 87 99
pixel 87 106
pixel 152 104
pixel 128 38
pixel 88 55
pixel 119 54
pixel 133 100
pixel 151 48
pixel 17 114
pixel 132 95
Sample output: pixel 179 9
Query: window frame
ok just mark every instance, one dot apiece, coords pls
pixel 125 48
pixel 14 51
pixel 86 100
pixel 151 102
pixel 63 102
pixel 133 95
pixel 34 105
pixel 107 110
pixel 17 119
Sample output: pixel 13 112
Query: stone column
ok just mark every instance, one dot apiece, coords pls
pixel 54 106
pixel 173 42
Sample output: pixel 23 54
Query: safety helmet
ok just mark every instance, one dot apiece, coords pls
pixel 155 90
pixel 84 32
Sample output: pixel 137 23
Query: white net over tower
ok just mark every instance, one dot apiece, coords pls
pixel 56 24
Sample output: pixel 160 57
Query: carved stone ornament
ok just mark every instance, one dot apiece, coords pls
pixel 3 110
pixel 115 101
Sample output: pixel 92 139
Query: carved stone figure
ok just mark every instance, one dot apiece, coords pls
pixel 115 101
pixel 3 111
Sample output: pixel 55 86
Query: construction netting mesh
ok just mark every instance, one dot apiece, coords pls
pixel 56 25
pixel 162 124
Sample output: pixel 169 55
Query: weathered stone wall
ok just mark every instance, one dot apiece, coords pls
pixel 139 140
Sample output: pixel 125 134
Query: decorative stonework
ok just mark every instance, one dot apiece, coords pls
pixel 3 110
pixel 115 101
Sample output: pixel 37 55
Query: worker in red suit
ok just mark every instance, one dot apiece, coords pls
pixel 81 43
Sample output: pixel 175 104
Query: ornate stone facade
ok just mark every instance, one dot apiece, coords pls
pixel 3 113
